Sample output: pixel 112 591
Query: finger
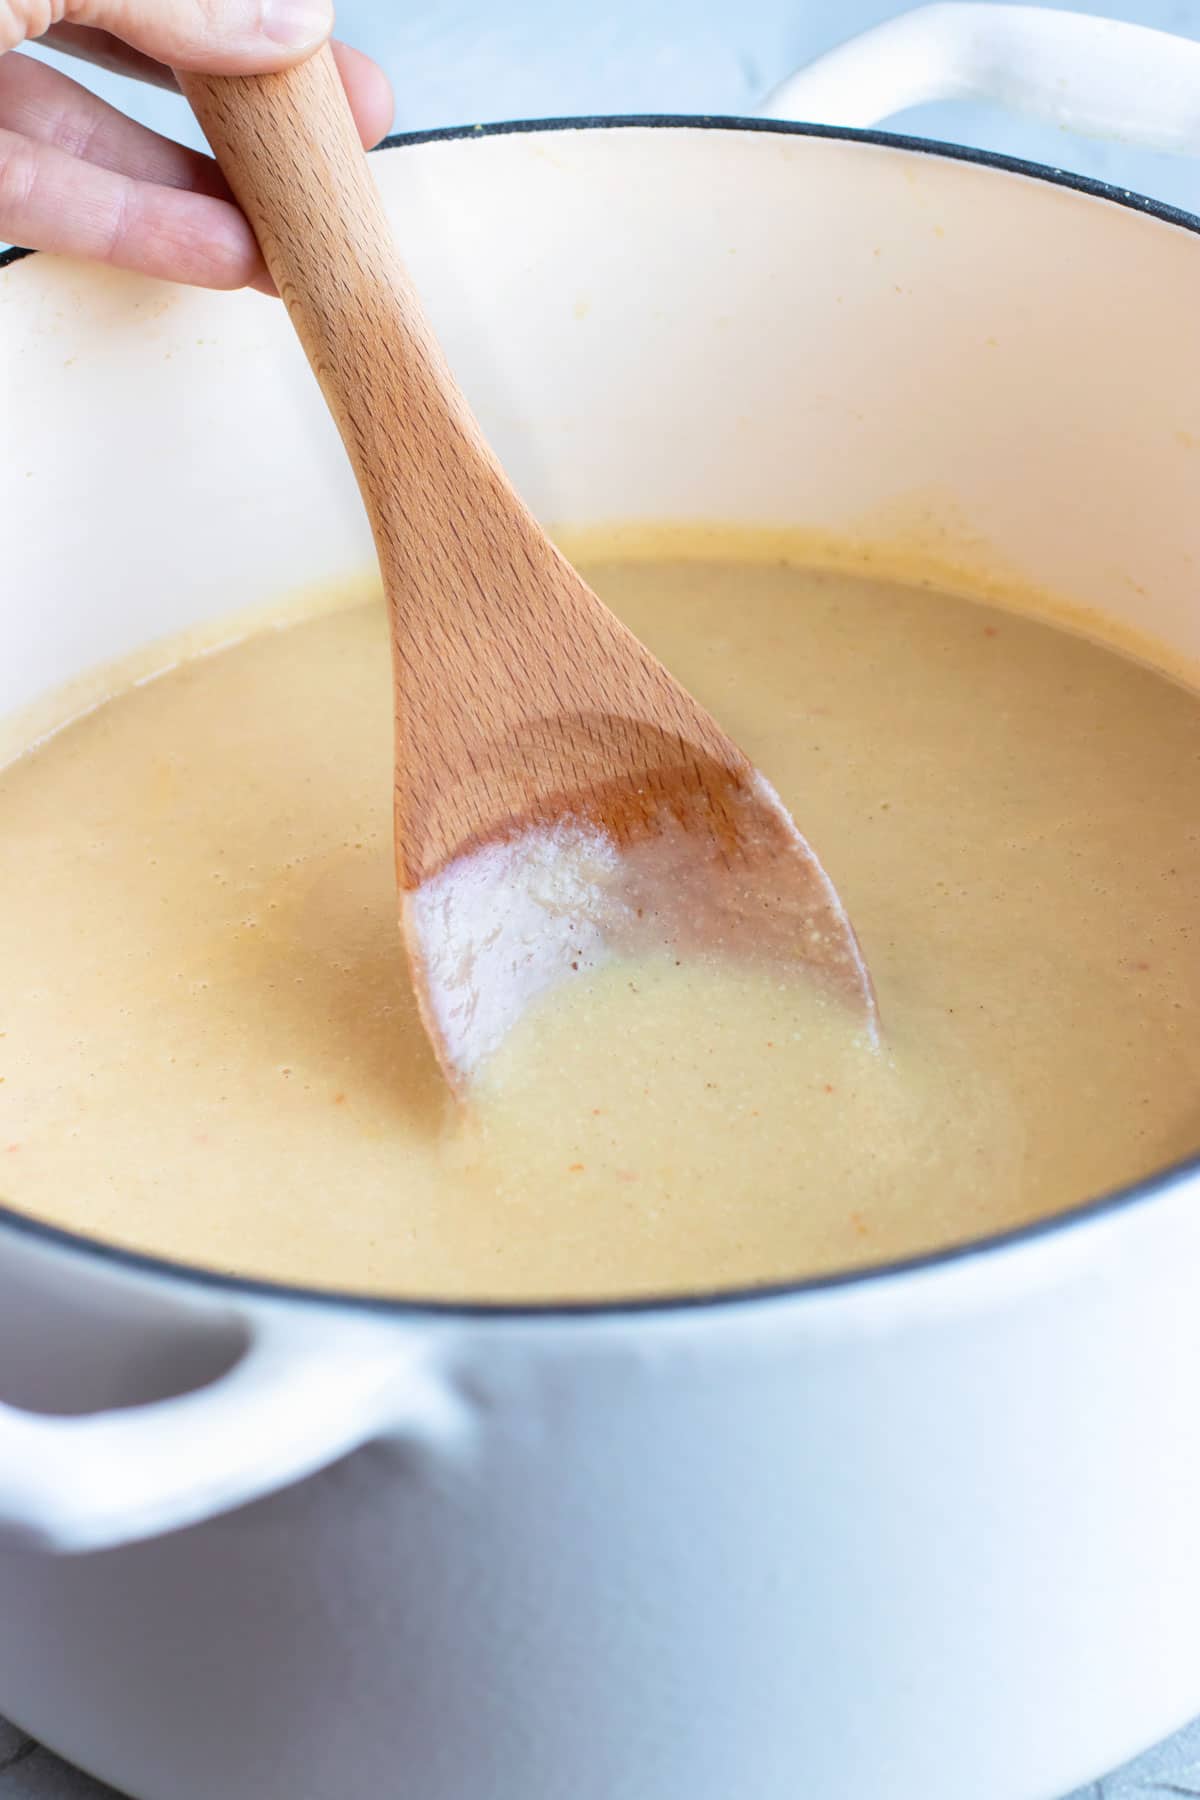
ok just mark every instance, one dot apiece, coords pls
pixel 367 87
pixel 369 92
pixel 53 201
pixel 43 104
pixel 107 52
pixel 220 37
pixel 46 105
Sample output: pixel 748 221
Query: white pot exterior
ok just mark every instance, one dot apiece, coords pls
pixel 919 1535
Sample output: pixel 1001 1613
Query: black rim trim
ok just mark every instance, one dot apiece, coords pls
pixel 1156 1186
pixel 733 122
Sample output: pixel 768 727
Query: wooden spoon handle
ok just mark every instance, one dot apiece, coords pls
pixel 288 146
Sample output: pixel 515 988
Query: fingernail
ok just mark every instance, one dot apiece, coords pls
pixel 297 24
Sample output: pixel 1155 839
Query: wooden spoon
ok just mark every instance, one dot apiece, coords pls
pixel 559 797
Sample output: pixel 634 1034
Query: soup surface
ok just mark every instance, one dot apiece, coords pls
pixel 208 1047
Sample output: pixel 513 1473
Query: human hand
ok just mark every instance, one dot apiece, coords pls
pixel 77 176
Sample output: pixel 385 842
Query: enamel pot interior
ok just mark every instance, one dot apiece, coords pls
pixel 750 327
pixel 658 321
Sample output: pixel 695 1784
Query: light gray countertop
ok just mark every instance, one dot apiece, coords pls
pixel 477 59
pixel 29 1772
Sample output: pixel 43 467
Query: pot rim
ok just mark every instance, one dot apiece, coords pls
pixel 1153 1187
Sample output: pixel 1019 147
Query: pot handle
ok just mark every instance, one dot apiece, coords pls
pixel 1097 77
pixel 302 1395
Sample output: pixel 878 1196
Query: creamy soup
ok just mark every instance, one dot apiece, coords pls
pixel 208 1047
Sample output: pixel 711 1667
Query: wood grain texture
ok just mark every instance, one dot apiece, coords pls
pixel 520 699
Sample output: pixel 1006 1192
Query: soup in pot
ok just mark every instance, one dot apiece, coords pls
pixel 209 1049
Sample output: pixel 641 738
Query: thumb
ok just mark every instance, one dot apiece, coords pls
pixel 217 37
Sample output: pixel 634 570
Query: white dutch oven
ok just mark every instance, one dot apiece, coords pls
pixel 927 1532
